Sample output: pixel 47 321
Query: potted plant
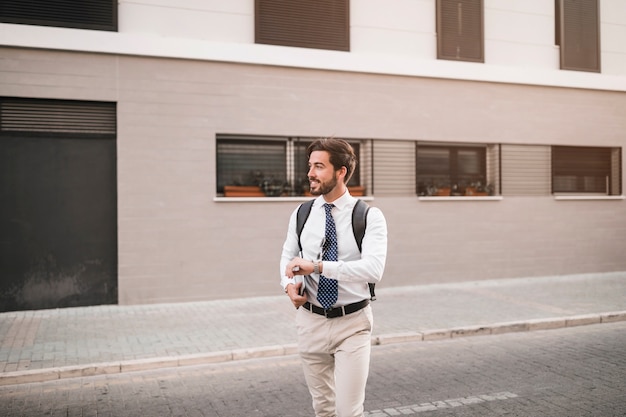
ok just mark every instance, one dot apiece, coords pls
pixel 479 189
pixel 432 189
pixel 245 187
pixel 272 187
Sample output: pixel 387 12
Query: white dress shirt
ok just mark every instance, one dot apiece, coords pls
pixel 354 269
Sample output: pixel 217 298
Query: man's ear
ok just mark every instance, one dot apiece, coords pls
pixel 342 173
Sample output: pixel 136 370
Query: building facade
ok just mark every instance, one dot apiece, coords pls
pixel 153 150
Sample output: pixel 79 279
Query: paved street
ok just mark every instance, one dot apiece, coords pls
pixel 577 371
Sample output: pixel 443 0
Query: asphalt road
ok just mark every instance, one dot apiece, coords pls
pixel 579 371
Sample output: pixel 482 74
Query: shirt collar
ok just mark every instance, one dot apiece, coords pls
pixel 340 203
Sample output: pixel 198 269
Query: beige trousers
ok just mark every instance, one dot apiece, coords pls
pixel 336 356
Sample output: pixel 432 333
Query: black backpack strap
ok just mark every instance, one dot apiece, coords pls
pixel 359 224
pixel 359 221
pixel 303 214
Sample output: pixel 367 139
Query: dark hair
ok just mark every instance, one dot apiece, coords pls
pixel 341 154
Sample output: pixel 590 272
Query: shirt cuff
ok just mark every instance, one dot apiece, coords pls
pixel 330 269
pixel 287 281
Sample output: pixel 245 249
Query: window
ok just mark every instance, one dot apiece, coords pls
pixel 57 118
pixel 83 14
pixel 267 167
pixel 319 24
pixel 448 170
pixel 460 30
pixel 577 34
pixel 592 170
pixel 253 164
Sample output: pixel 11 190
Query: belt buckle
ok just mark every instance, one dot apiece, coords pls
pixel 328 310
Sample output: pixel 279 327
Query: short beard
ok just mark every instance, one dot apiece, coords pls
pixel 325 187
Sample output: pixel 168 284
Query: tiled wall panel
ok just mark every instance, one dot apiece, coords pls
pixel 176 243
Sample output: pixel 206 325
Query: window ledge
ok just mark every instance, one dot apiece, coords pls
pixel 461 198
pixel 273 199
pixel 589 197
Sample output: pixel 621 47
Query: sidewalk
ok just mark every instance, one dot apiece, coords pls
pixel 45 345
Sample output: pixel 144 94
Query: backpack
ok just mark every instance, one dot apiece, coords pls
pixel 359 223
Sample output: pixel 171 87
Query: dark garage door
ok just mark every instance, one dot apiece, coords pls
pixel 58 219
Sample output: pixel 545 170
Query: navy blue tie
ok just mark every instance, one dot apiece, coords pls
pixel 328 291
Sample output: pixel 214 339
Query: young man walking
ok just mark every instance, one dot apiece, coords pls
pixel 334 319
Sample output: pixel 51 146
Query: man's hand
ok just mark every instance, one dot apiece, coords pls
pixel 298 266
pixel 293 291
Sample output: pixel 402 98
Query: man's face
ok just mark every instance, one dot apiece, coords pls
pixel 322 175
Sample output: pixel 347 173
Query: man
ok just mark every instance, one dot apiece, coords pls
pixel 334 318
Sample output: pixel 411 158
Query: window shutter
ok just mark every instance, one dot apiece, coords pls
pixel 582 170
pixel 525 170
pixel 579 37
pixel 83 14
pixel 319 24
pixel 460 30
pixel 57 117
pixel 395 167
pixel 616 171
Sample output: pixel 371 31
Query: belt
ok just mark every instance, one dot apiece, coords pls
pixel 332 312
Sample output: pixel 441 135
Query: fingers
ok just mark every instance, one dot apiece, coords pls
pixel 293 268
pixel 293 291
pixel 298 301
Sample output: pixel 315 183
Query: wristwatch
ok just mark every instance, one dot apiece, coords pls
pixel 316 267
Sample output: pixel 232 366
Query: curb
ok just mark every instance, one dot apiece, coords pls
pixel 108 368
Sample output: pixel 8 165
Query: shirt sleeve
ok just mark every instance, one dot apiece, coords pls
pixel 290 250
pixel 371 265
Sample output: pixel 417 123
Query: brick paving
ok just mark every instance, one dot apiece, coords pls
pixel 574 371
pixel 51 344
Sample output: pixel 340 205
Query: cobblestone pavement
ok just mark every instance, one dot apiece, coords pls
pixel 52 344
pixel 577 371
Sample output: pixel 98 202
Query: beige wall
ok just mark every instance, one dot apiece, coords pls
pixel 176 243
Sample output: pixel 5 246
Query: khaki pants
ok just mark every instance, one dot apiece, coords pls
pixel 335 356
